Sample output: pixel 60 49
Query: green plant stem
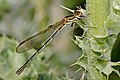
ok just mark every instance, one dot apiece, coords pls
pixel 98 11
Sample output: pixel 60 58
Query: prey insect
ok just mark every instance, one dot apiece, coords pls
pixel 43 38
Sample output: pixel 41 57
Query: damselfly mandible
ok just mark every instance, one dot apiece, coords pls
pixel 43 38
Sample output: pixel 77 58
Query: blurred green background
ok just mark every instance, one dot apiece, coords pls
pixel 20 19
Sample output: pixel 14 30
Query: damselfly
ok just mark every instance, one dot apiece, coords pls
pixel 43 38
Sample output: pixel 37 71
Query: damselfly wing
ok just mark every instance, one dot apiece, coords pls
pixel 38 39
pixel 42 39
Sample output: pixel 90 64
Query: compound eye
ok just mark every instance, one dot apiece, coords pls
pixel 78 13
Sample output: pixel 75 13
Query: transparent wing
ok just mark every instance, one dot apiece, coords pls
pixel 38 39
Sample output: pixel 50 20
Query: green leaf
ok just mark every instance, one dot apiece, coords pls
pixel 115 4
pixel 103 66
pixel 7 58
pixel 113 24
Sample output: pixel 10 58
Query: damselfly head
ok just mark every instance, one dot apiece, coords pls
pixel 79 13
pixel 79 8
